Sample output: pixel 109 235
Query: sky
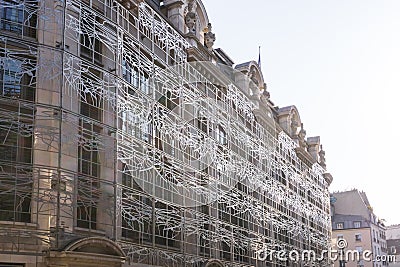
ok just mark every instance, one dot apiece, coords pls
pixel 338 62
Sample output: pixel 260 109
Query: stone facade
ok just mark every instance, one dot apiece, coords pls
pixel 127 139
pixel 353 220
pixel 393 243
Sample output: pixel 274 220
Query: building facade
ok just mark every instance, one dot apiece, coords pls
pixel 393 243
pixel 354 221
pixel 127 139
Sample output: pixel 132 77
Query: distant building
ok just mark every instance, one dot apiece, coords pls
pixel 354 221
pixel 393 243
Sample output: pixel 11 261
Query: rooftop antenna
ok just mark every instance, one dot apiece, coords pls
pixel 259 57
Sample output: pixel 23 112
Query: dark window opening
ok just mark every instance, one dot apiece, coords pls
pixel 169 100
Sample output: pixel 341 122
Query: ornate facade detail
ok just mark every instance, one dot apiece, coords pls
pixel 294 126
pixel 130 4
pixel 190 17
pixel 322 157
pixel 253 76
pixel 301 137
pixel 265 95
pixel 313 147
pixel 209 38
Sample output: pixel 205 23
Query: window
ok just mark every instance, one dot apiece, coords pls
pixel 131 227
pixel 18 17
pixel 357 224
pixel 220 135
pixel 88 152
pixel 375 235
pixel 17 77
pixel 340 237
pixel 171 58
pixel 169 100
pixel 14 147
pixel 358 237
pixel 146 132
pixel 86 215
pixel 16 185
pixel 91 98
pixel 12 16
pixel 144 84
pixel 202 124
pixel 163 235
pixel 90 45
pixel 339 225
pixel 130 74
pixel 393 250
pixel 89 173
pixel 15 197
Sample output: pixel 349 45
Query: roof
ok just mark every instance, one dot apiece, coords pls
pixel 352 202
pixel 364 198
pixel 223 56
pixel 348 221
pixel 245 64
pixel 393 232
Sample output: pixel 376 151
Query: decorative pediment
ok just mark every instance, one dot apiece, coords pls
pixel 196 19
pixel 253 71
pixel 214 263
pixel 289 120
pixel 90 251
pixel 96 245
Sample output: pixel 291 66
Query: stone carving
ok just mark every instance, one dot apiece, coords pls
pixel 322 157
pixel 253 77
pixel 294 126
pixel 209 37
pixel 302 136
pixel 127 4
pixel 190 18
pixel 265 95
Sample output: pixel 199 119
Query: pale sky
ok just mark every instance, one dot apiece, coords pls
pixel 338 61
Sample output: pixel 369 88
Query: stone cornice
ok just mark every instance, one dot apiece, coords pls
pixel 305 156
